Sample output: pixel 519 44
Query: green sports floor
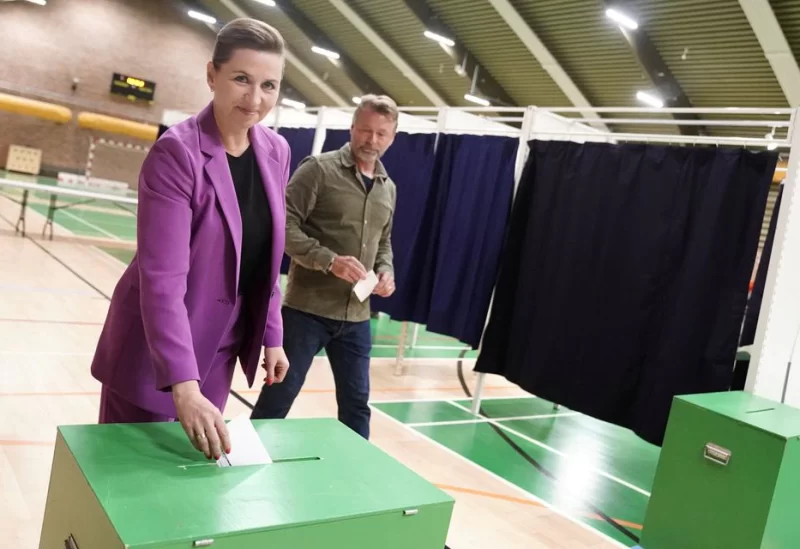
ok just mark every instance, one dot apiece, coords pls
pixel 596 473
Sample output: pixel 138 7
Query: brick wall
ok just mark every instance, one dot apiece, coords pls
pixel 45 47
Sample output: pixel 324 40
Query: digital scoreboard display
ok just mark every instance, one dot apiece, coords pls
pixel 132 87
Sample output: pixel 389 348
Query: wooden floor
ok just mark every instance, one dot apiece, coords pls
pixel 51 311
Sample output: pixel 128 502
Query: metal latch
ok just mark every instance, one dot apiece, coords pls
pixel 204 542
pixel 410 512
pixel 717 454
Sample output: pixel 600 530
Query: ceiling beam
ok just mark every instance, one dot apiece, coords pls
pixel 549 63
pixel 296 62
pixel 389 52
pixel 486 85
pixel 359 77
pixel 776 49
pixel 666 85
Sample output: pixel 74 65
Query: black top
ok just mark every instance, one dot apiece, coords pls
pixel 256 220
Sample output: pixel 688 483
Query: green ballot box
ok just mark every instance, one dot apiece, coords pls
pixel 728 476
pixel 143 486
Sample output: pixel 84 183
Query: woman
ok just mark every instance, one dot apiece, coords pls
pixel 203 288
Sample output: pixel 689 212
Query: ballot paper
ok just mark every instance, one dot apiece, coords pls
pixel 363 288
pixel 246 445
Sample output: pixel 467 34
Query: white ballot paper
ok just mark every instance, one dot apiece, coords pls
pixel 363 288
pixel 246 445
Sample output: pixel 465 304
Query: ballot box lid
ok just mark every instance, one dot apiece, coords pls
pixel 154 486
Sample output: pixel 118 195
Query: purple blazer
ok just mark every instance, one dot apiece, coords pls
pixel 175 301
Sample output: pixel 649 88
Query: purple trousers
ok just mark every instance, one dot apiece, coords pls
pixel 215 387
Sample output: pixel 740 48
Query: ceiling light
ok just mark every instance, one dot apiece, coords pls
pixel 622 19
pixel 202 17
pixel 357 100
pixel 327 53
pixel 476 99
pixel 649 99
pixel 270 3
pixel 439 38
pixel 38 2
pixel 294 104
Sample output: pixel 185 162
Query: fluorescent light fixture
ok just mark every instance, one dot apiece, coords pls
pixel 202 17
pixel 327 53
pixel 357 100
pixel 476 99
pixel 294 104
pixel 270 3
pixel 649 99
pixel 622 19
pixel 439 38
pixel 38 2
pixel 772 146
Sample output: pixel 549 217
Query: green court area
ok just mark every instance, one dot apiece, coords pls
pixel 110 220
pixel 594 472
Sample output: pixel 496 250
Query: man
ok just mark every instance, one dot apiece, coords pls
pixel 339 211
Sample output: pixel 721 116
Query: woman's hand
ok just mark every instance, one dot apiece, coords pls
pixel 201 420
pixel 276 364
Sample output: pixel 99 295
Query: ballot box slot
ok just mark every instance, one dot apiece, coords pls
pixel 274 462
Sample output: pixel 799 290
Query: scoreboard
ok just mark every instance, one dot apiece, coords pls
pixel 132 87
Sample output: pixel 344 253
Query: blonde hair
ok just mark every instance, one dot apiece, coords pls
pixel 246 33
pixel 381 104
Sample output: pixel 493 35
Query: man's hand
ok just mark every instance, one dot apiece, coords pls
pixel 349 269
pixel 276 364
pixel 385 286
pixel 201 420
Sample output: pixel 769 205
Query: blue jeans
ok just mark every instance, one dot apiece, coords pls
pixel 348 346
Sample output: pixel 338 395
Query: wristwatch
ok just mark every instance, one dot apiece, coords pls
pixel 330 265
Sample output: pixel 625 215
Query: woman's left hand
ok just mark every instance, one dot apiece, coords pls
pixel 276 364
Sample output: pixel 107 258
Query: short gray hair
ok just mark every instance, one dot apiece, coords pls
pixel 381 104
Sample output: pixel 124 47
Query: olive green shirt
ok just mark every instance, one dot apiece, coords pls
pixel 328 213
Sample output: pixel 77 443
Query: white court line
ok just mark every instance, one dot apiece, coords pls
pixel 518 489
pixel 42 353
pixel 91 225
pixel 444 399
pixel 551 449
pixel 487 420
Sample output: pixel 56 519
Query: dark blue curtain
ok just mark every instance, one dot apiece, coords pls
pixel 301 142
pixel 335 139
pixel 753 309
pixel 625 276
pixel 452 263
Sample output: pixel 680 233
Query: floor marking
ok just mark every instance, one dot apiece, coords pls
pixel 434 399
pixel 498 423
pixel 44 290
pixel 523 501
pixel 42 353
pixel 506 482
pixel 487 420
pixel 52 321
pixel 25 443
pixel 90 225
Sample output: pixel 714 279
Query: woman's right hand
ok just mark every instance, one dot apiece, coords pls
pixel 202 421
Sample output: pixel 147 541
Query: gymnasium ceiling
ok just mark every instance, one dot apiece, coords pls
pixel 700 53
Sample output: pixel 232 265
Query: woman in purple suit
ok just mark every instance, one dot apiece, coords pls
pixel 203 288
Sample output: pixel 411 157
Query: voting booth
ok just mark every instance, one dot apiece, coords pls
pixel 144 485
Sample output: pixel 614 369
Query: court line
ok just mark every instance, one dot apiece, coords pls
pixel 523 501
pixel 434 399
pixel 240 391
pixel 506 482
pixel 53 321
pixel 25 443
pixel 487 420
pixel 45 290
pixel 497 422
pixel 90 225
